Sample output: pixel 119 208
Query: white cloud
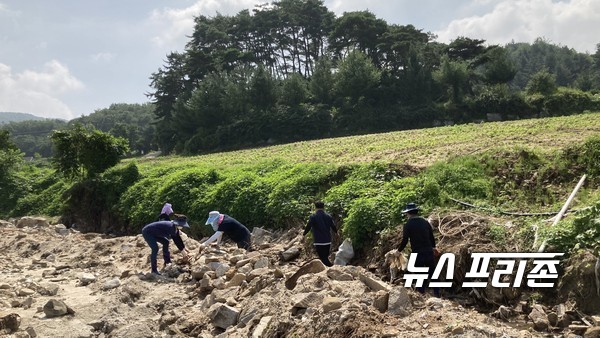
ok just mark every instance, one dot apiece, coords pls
pixel 38 92
pixel 572 23
pixel 178 24
pixel 103 57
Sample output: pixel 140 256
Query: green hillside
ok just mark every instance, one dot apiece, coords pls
pixel 415 147
pixel 365 181
pixel 6 117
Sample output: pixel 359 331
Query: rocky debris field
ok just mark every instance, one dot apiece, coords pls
pixel 57 282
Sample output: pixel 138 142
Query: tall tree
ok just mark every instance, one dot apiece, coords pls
pixel 11 159
pixel 358 31
pixel 322 81
pixel 357 77
pixel 542 82
pixel 81 153
pixel 453 75
pixel 499 68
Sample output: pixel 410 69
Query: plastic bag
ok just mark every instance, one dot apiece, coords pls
pixel 345 253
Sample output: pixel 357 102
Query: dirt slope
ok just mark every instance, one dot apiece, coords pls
pixel 222 292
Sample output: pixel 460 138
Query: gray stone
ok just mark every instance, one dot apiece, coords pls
pixel 262 262
pixel 290 254
pixel 223 316
pixel 257 273
pixel 31 222
pixel 10 322
pixel 336 273
pixel 331 304
pixel 112 284
pixel 86 278
pixel 399 302
pixel 372 283
pixel 380 301
pixel 314 266
pixel 25 292
pixel 539 318
pixel 56 308
pixel 259 331
pixel 236 280
pixel 306 300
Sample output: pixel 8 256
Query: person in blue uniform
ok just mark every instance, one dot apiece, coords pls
pixel 161 232
pixel 225 224
pixel 321 224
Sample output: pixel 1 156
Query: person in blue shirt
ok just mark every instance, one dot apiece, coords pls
pixel 321 224
pixel 225 224
pixel 161 232
pixel 422 242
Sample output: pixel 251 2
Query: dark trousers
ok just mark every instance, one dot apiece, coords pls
pixel 427 259
pixel 153 243
pixel 245 244
pixel 323 253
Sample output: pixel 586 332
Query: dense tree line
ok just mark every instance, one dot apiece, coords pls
pixel 291 70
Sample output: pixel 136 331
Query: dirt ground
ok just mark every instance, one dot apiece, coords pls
pixel 227 292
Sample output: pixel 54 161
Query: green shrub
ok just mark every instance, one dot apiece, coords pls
pixel 583 232
pixel 181 188
pixel 243 195
pixel 47 202
pixel 584 158
pixel 295 190
pixel 567 102
pixel 461 178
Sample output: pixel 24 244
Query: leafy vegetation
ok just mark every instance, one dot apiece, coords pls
pixel 82 153
pixel 10 160
pixel 528 165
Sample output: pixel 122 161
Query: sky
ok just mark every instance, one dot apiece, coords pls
pixel 68 58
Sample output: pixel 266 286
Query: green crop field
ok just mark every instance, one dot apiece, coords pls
pixel 416 147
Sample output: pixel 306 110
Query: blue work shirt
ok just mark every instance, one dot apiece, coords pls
pixel 164 229
pixel 321 224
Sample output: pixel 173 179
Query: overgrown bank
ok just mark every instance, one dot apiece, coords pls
pixel 520 166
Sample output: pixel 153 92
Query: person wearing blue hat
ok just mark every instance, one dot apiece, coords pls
pixel 422 242
pixel 225 224
pixel 161 232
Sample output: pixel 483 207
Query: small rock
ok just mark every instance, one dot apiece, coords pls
pixel 331 303
pixel 10 322
pixel 25 292
pixel 56 308
pixel 112 284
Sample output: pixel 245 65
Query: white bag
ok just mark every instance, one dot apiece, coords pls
pixel 345 253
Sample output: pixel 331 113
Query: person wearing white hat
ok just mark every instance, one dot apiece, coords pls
pixel 161 232
pixel 166 212
pixel 225 224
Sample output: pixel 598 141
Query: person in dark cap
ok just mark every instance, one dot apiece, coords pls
pixel 161 232
pixel 321 224
pixel 422 242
